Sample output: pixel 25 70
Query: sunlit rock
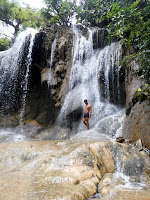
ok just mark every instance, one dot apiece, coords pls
pixel 65 169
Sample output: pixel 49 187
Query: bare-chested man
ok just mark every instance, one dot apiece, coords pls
pixel 87 113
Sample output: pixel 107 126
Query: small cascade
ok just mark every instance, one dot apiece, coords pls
pixel 52 52
pixel 87 66
pixel 14 72
pixel 48 76
pixel 129 174
pixel 109 59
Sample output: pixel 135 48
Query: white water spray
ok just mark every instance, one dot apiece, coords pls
pixel 24 85
pixel 52 52
pixel 84 77
pixel 48 75
pixel 10 62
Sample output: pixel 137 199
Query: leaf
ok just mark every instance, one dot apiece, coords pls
pixel 140 97
pixel 145 93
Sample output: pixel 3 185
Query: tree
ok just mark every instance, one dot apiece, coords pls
pixel 95 11
pixel 11 13
pixel 127 20
pixel 131 24
pixel 4 43
pixel 59 11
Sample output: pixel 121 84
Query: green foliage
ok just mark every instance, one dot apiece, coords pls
pixel 127 20
pixel 5 10
pixel 59 11
pixel 142 94
pixel 95 11
pixel 92 11
pixel 26 17
pixel 11 13
pixel 4 43
pixel 131 24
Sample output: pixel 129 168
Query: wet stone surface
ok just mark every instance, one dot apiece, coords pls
pixel 36 170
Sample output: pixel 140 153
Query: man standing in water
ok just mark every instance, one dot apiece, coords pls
pixel 87 113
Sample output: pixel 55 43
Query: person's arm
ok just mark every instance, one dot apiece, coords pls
pixel 90 111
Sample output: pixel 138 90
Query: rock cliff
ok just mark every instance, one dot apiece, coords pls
pixel 48 83
pixel 43 100
pixel 137 125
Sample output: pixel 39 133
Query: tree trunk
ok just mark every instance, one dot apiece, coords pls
pixel 16 29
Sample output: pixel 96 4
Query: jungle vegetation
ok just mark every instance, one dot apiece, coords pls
pixel 126 20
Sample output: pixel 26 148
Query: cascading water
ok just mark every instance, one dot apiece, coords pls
pixel 14 71
pixel 52 52
pixel 50 78
pixel 94 76
pixel 109 58
pixel 10 62
pixel 84 79
pixel 24 84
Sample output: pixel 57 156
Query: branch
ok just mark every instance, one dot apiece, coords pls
pixel 7 22
pixel 6 35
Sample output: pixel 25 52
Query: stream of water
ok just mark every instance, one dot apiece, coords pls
pixel 24 84
pixel 14 66
pixel 87 65
pixel 84 80
pixel 84 83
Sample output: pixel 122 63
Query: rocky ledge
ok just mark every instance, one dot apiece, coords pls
pixel 71 170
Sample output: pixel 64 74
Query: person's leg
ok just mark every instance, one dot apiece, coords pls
pixel 84 121
pixel 87 121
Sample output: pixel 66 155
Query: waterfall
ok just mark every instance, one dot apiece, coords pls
pixel 109 59
pixel 87 65
pixel 24 84
pixel 52 52
pixel 49 76
pixel 14 72
pixel 94 76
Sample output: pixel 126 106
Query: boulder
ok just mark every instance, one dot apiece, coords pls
pixel 132 82
pixel 105 184
pixel 137 125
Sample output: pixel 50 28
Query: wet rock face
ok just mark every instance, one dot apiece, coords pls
pixel 132 82
pixel 73 118
pixel 61 169
pixel 133 171
pixel 43 100
pixel 116 86
pixel 83 30
pixel 99 38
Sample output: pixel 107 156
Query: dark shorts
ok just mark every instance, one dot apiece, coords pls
pixel 86 115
